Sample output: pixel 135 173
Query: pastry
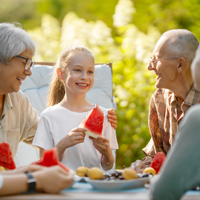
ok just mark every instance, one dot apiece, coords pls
pixel 95 173
pixel 81 171
pixel 129 174
pixel 149 170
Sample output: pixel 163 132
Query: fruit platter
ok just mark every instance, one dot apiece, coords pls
pixel 117 180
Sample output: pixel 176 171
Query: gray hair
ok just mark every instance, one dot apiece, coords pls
pixel 182 43
pixel 13 41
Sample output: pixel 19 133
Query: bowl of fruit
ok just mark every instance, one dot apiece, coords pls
pixel 117 180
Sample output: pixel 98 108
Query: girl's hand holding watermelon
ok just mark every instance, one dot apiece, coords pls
pixel 102 144
pixel 74 137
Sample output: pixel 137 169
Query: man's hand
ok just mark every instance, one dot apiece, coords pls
pixel 138 166
pixel 52 180
pixel 112 118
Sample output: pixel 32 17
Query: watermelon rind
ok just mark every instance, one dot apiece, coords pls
pixel 91 134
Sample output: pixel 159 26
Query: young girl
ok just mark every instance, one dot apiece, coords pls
pixel 58 126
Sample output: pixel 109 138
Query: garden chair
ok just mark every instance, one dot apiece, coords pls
pixel 36 88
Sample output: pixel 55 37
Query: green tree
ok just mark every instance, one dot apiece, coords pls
pixel 129 50
pixel 123 32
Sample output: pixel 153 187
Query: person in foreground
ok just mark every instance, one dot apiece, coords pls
pixel 18 120
pixel 181 169
pixel 49 180
pixel 175 94
pixel 59 123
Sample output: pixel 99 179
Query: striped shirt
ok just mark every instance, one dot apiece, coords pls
pixel 165 113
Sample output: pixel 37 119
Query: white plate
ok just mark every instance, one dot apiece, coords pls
pixel 79 178
pixel 117 184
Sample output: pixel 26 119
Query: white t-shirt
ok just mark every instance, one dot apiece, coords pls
pixel 56 122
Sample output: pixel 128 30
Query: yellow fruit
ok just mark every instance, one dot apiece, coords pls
pixel 95 173
pixel 150 170
pixel 81 171
pixel 129 174
pixel 2 168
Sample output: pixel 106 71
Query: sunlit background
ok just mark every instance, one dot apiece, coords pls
pixel 123 32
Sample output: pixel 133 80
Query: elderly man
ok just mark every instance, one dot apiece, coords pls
pixel 182 164
pixel 171 62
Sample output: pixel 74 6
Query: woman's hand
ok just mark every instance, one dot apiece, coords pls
pixel 48 179
pixel 112 118
pixel 52 180
pixel 29 168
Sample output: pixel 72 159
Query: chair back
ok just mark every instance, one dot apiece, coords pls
pixel 36 86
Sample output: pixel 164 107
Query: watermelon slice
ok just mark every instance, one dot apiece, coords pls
pixel 6 159
pixel 94 122
pixel 50 158
pixel 158 161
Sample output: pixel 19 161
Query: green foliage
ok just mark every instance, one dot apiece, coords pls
pixel 163 14
pixel 123 32
pixel 29 12
pixel 128 50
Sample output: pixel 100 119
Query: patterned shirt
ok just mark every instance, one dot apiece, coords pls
pixel 165 113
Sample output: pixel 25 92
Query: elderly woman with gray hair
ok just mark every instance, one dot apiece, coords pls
pixel 181 170
pixel 18 120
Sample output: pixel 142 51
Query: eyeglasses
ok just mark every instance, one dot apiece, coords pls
pixel 153 61
pixel 29 63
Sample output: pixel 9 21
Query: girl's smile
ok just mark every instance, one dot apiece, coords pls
pixel 82 85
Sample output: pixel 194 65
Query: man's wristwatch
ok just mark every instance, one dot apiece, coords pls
pixel 31 182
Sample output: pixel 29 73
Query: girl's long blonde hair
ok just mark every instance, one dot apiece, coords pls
pixel 57 87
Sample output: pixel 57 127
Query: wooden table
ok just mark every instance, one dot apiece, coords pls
pixel 74 194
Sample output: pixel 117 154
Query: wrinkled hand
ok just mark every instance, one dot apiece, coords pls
pixel 138 166
pixel 52 179
pixel 112 118
pixel 102 144
pixel 75 136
